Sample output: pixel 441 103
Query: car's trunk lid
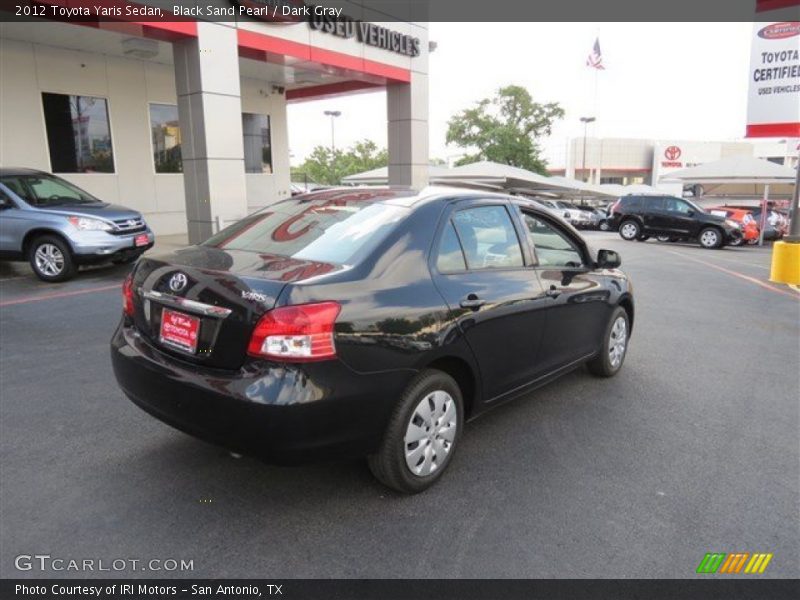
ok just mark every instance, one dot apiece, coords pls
pixel 202 303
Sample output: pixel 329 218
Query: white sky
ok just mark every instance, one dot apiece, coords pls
pixel 662 80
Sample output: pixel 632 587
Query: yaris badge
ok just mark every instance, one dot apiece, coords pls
pixel 177 282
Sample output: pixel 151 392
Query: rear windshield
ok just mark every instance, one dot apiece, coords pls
pixel 334 231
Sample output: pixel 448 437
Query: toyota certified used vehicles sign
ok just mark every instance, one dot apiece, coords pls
pixel 773 107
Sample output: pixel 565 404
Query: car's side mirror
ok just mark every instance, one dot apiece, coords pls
pixel 608 259
pixel 5 203
pixel 690 212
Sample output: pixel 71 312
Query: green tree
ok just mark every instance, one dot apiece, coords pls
pixel 329 167
pixel 505 129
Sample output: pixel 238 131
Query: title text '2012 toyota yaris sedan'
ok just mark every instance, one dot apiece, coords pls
pixel 367 322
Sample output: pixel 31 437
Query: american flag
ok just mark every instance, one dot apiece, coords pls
pixel 595 58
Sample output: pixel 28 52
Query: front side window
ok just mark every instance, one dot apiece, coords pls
pixel 333 230
pixel 488 237
pixel 166 134
pixel 676 205
pixel 257 143
pixel 552 247
pixel 78 133
pixel 46 190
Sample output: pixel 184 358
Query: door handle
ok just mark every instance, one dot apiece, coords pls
pixel 553 292
pixel 472 301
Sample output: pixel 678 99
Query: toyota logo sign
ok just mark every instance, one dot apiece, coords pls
pixel 672 153
pixel 177 282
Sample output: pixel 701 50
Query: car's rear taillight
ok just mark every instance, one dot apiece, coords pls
pixel 302 332
pixel 127 295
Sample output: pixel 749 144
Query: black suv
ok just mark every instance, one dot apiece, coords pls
pixel 670 219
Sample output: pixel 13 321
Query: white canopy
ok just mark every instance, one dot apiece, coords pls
pixel 735 169
pixel 380 176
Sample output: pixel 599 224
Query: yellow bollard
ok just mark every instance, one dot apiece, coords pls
pixel 785 263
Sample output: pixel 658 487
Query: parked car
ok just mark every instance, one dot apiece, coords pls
pixel 576 216
pixel 367 321
pixel 774 228
pixel 57 226
pixel 639 217
pixel 747 223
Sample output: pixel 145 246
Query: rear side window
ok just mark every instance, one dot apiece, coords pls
pixel 631 202
pixel 337 230
pixel 451 257
pixel 488 237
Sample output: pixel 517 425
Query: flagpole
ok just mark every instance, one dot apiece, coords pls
pixel 596 88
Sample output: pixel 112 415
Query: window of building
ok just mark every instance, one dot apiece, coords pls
pixel 166 133
pixel 257 143
pixel 78 133
pixel 488 237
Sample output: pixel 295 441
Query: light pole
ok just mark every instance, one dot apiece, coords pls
pixel 585 121
pixel 333 114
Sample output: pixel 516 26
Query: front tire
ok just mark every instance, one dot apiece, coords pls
pixel 710 238
pixel 51 259
pixel 630 230
pixel 422 434
pixel 614 347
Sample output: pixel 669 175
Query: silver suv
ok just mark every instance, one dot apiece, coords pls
pixel 57 226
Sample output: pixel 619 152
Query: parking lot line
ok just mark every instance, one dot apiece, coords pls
pixel 26 299
pixel 758 282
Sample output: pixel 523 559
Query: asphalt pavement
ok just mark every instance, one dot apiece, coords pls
pixel 692 448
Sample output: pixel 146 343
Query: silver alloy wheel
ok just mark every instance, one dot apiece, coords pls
pixel 49 260
pixel 629 231
pixel 709 238
pixel 662 238
pixel 430 433
pixel 617 341
pixel 604 226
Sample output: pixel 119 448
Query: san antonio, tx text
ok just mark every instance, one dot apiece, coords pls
pixel 125 589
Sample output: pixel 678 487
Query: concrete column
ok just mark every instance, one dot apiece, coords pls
pixel 407 111
pixel 210 114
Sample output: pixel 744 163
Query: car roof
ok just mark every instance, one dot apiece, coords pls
pixel 397 195
pixel 12 171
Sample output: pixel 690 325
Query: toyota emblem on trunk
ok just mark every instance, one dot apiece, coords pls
pixel 177 282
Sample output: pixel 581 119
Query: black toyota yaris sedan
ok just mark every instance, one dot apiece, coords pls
pixel 367 322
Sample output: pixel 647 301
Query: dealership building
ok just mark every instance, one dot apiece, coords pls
pixel 629 161
pixel 185 120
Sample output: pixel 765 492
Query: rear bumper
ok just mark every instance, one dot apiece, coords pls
pixel 282 413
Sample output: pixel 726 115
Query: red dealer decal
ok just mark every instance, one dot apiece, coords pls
pixel 780 31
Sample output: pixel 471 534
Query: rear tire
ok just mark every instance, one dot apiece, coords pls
pixel 422 434
pixel 51 259
pixel 614 346
pixel 710 238
pixel 630 230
